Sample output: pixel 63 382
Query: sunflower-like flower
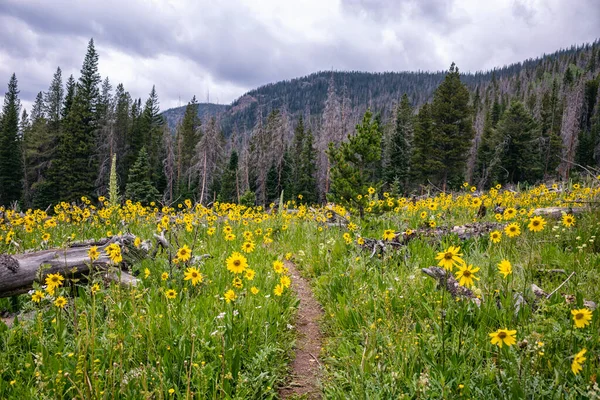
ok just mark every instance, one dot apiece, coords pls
pixel 495 236
pixel 568 220
pixel 582 317
pixel 237 263
pixel 450 258
pixel 512 230
pixel 184 253
pixel 536 224
pixel 192 274
pixel 503 336
pixel 466 275
pixel 577 361
pixel 389 234
pixel 505 268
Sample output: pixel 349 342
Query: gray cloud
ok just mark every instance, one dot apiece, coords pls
pixel 189 47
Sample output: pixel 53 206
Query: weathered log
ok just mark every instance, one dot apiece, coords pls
pixel 448 282
pixel 18 272
pixel 557 212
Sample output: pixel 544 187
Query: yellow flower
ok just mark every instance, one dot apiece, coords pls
pixel 254 290
pixel 285 281
pixel 37 296
pixel 93 253
pixel 495 236
pixel 95 288
pixel 360 241
pixel 184 253
pixel 248 247
pixel 171 391
pixel 512 230
pixel 46 237
pixel 450 258
pixel 170 294
pixel 278 291
pixel 432 224
pixel 229 237
pixel 466 275
pixel 582 317
pixel 250 273
pixel 146 272
pixel 278 266
pixel 509 213
pixel 577 361
pixel 505 268
pixel 114 253
pixel 288 256
pixel 164 276
pixel 371 190
pixel 568 220
pixel 536 224
pixel 60 302
pixel 137 242
pixel 503 336
pixel 237 263
pixel 53 281
pixel 388 234
pixel 237 283
pixel 211 231
pixel 230 296
pixel 192 274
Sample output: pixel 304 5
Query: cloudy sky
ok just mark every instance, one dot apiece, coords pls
pixel 223 48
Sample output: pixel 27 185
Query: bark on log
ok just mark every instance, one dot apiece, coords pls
pixel 18 272
pixel 557 212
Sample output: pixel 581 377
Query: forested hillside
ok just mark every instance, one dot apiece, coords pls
pixel 534 120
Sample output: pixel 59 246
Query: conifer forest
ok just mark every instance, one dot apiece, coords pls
pixel 340 235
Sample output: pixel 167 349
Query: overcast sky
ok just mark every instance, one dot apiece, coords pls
pixel 227 47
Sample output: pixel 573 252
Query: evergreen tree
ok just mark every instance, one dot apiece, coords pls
pixel 518 146
pixel 452 127
pixel 53 103
pixel 139 184
pixel 151 133
pixel 229 180
pixel 189 134
pixel 307 180
pixel 551 121
pixel 352 163
pixel 485 154
pixel 399 149
pixel 11 168
pixel 71 88
pixel 424 162
pixel 272 186
pixel 74 171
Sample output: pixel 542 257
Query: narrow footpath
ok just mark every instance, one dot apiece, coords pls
pixel 306 367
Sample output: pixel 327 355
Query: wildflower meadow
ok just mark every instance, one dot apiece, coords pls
pixel 212 313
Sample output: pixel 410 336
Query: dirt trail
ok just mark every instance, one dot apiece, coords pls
pixel 304 380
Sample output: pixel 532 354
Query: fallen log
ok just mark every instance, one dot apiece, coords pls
pixel 18 272
pixel 557 212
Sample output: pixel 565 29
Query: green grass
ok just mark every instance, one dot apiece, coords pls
pixel 389 331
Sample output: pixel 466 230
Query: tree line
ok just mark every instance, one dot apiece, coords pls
pixel 538 123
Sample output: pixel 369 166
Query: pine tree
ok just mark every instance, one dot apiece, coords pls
pixel 424 159
pixel 37 155
pixel 229 180
pixel 139 184
pixel 352 163
pixel 551 121
pixel 151 133
pixel 74 170
pixel 53 103
pixel 11 168
pixel 307 180
pixel 452 128
pixel 485 154
pixel 189 134
pixel 399 149
pixel 518 146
